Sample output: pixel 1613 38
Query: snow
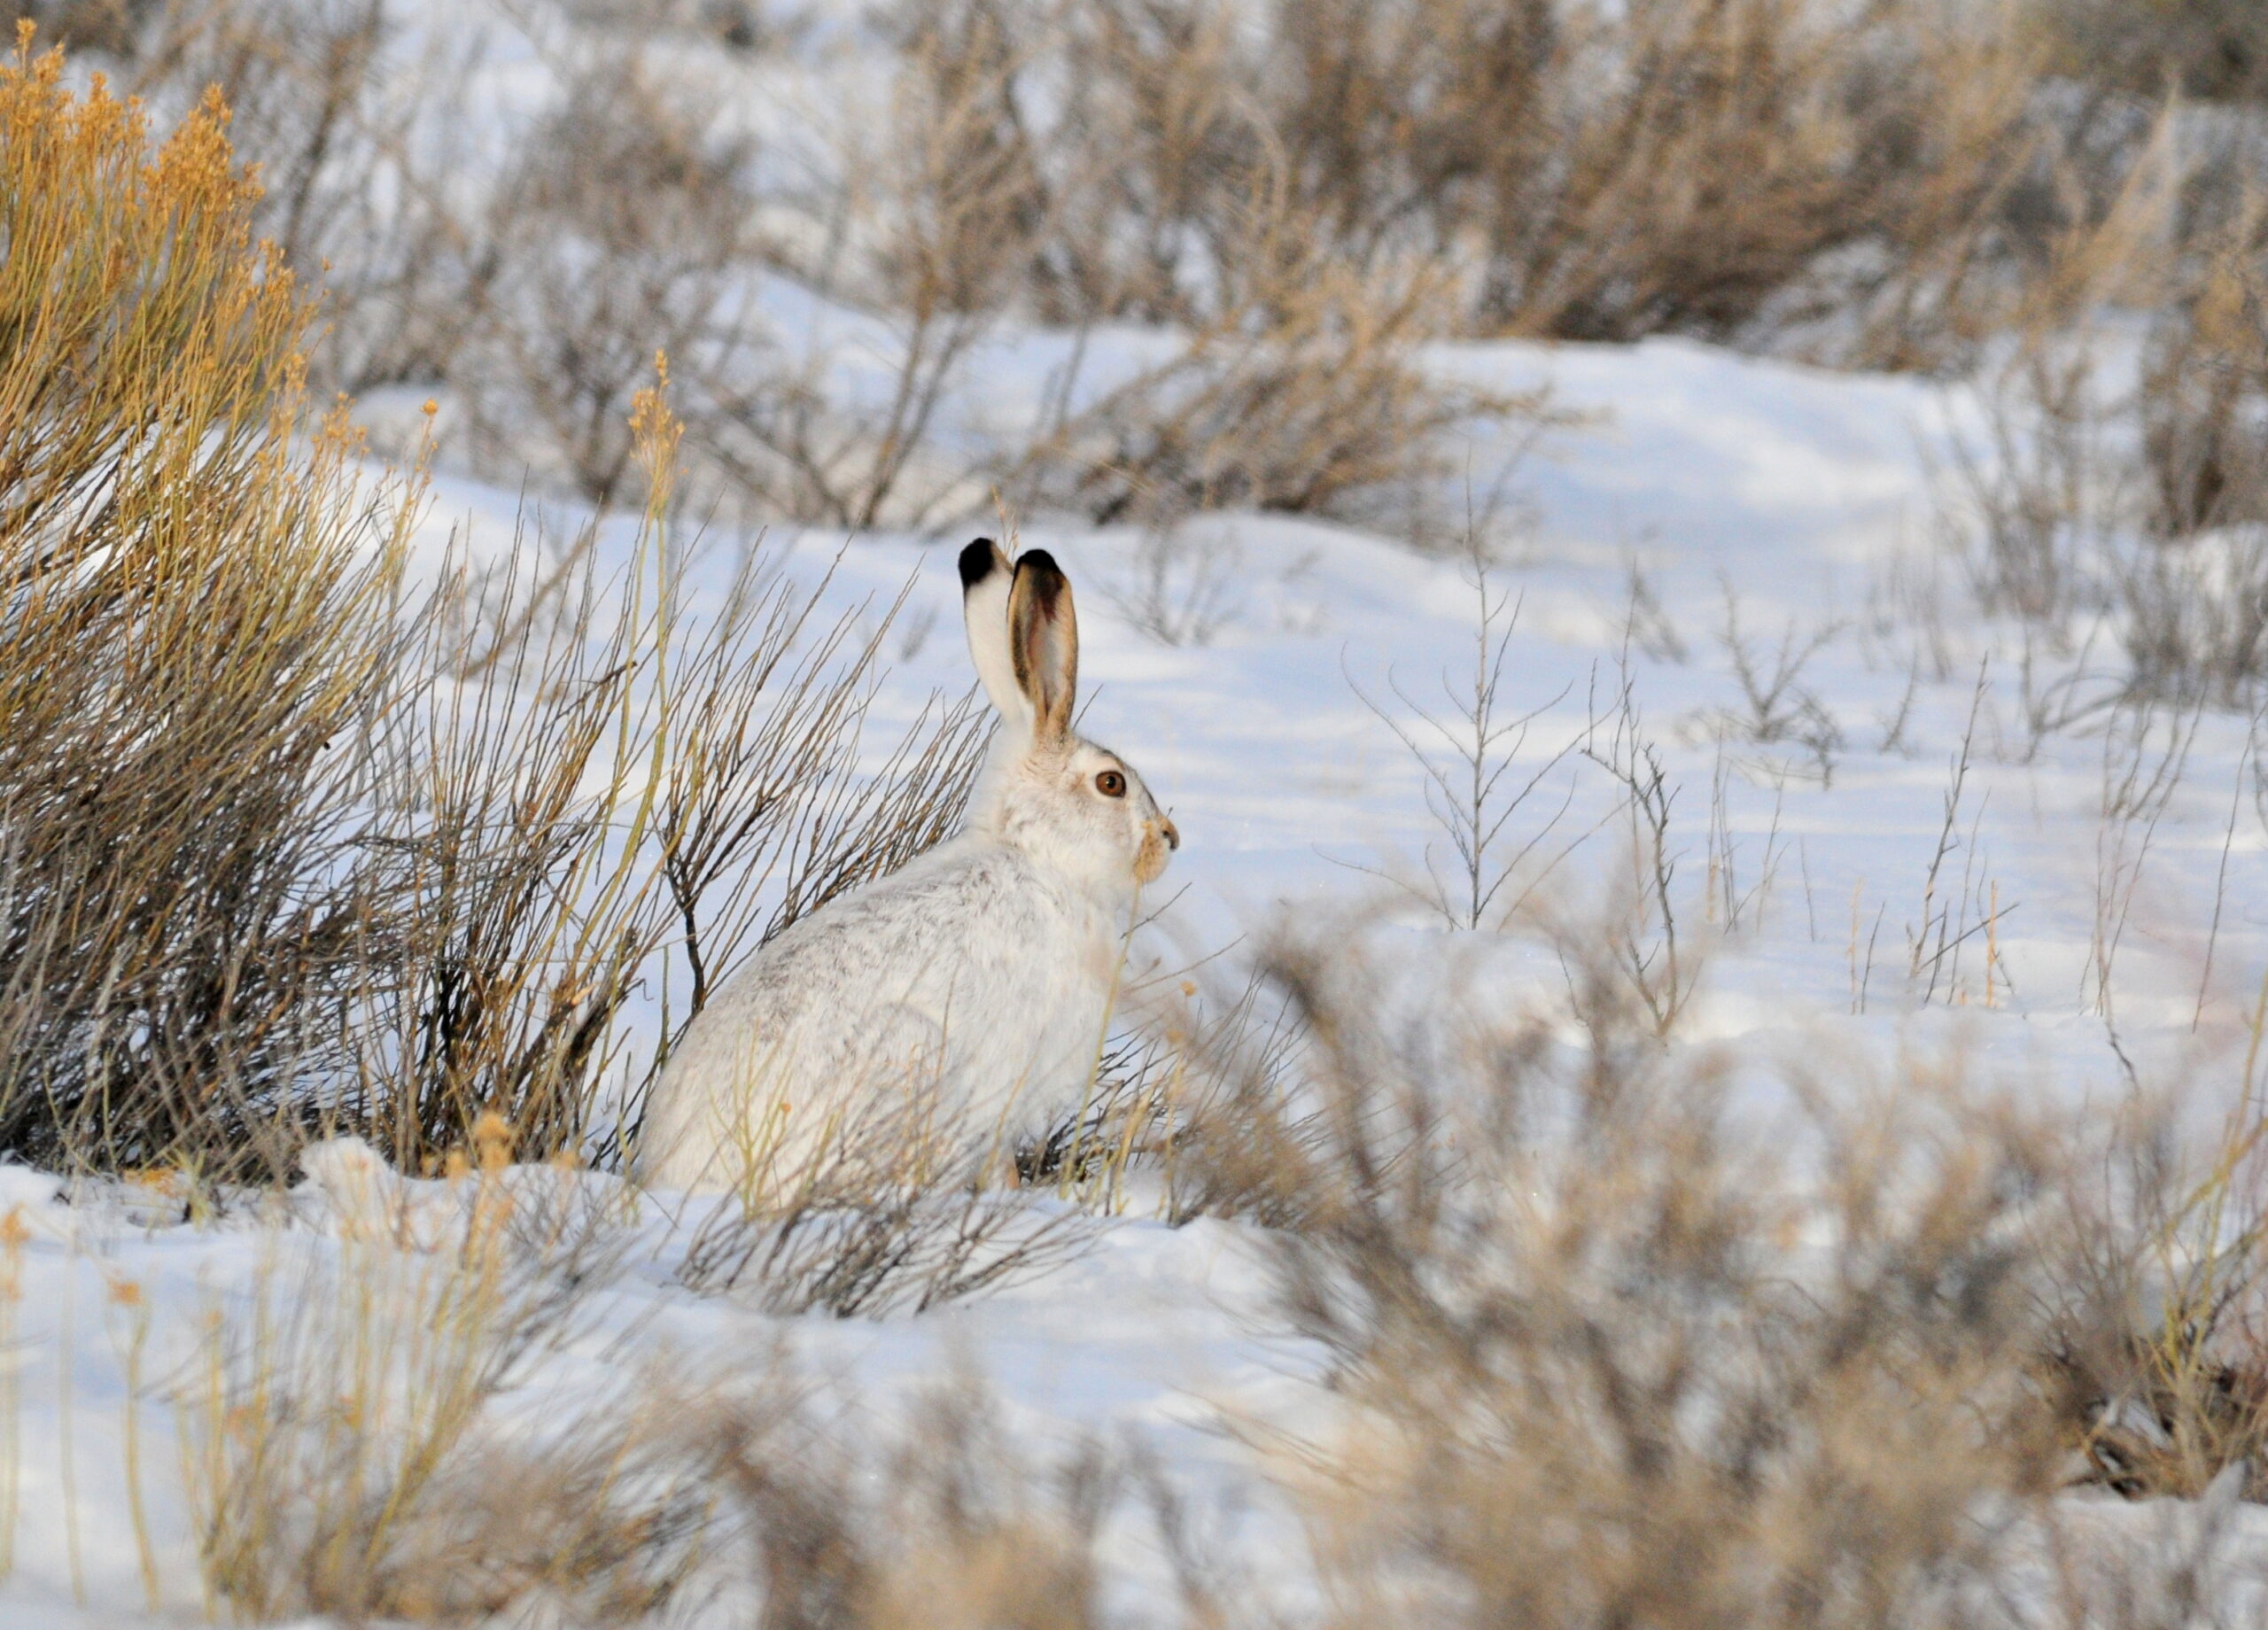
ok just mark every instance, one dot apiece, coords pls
pixel 1796 500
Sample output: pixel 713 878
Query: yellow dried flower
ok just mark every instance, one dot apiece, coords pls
pixel 491 1141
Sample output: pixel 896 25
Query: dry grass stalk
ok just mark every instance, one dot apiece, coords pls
pixel 1470 748
pixel 890 1218
pixel 1661 968
pixel 354 1447
pixel 342 1440
pixel 1934 946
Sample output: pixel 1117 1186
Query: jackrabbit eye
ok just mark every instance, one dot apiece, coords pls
pixel 1110 784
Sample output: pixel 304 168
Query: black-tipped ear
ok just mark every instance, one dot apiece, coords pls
pixel 978 562
pixel 984 579
pixel 1043 641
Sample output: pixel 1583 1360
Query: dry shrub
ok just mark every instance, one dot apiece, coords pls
pixel 944 1526
pixel 945 1521
pixel 2195 596
pixel 2081 498
pixel 282 846
pixel 2153 504
pixel 2157 1349
pixel 1593 172
pixel 1600 1354
pixel 356 143
pixel 538 277
pixel 1182 588
pixel 536 280
pixel 926 216
pixel 2040 504
pixel 109 26
pixel 300 83
pixel 2196 617
pixel 2032 521
pixel 586 787
pixel 1295 384
pixel 633 1502
pixel 1244 1144
pixel 1716 153
pixel 1307 195
pixel 905 1249
pixel 2204 384
pixel 1310 194
pixel 620 224
pixel 1310 399
pixel 1610 1351
pixel 961 197
pixel 597 789
pixel 2213 49
pixel 1607 1358
pixel 195 613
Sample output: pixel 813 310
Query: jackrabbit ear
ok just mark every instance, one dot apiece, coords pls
pixel 1043 640
pixel 984 575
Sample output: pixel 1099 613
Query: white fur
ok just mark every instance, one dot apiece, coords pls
pixel 960 1003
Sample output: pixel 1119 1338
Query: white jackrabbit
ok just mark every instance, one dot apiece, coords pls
pixel 961 1001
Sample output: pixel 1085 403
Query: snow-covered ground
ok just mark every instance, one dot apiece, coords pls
pixel 1794 507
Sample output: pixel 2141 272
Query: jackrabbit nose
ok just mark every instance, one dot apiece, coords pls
pixel 1171 833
